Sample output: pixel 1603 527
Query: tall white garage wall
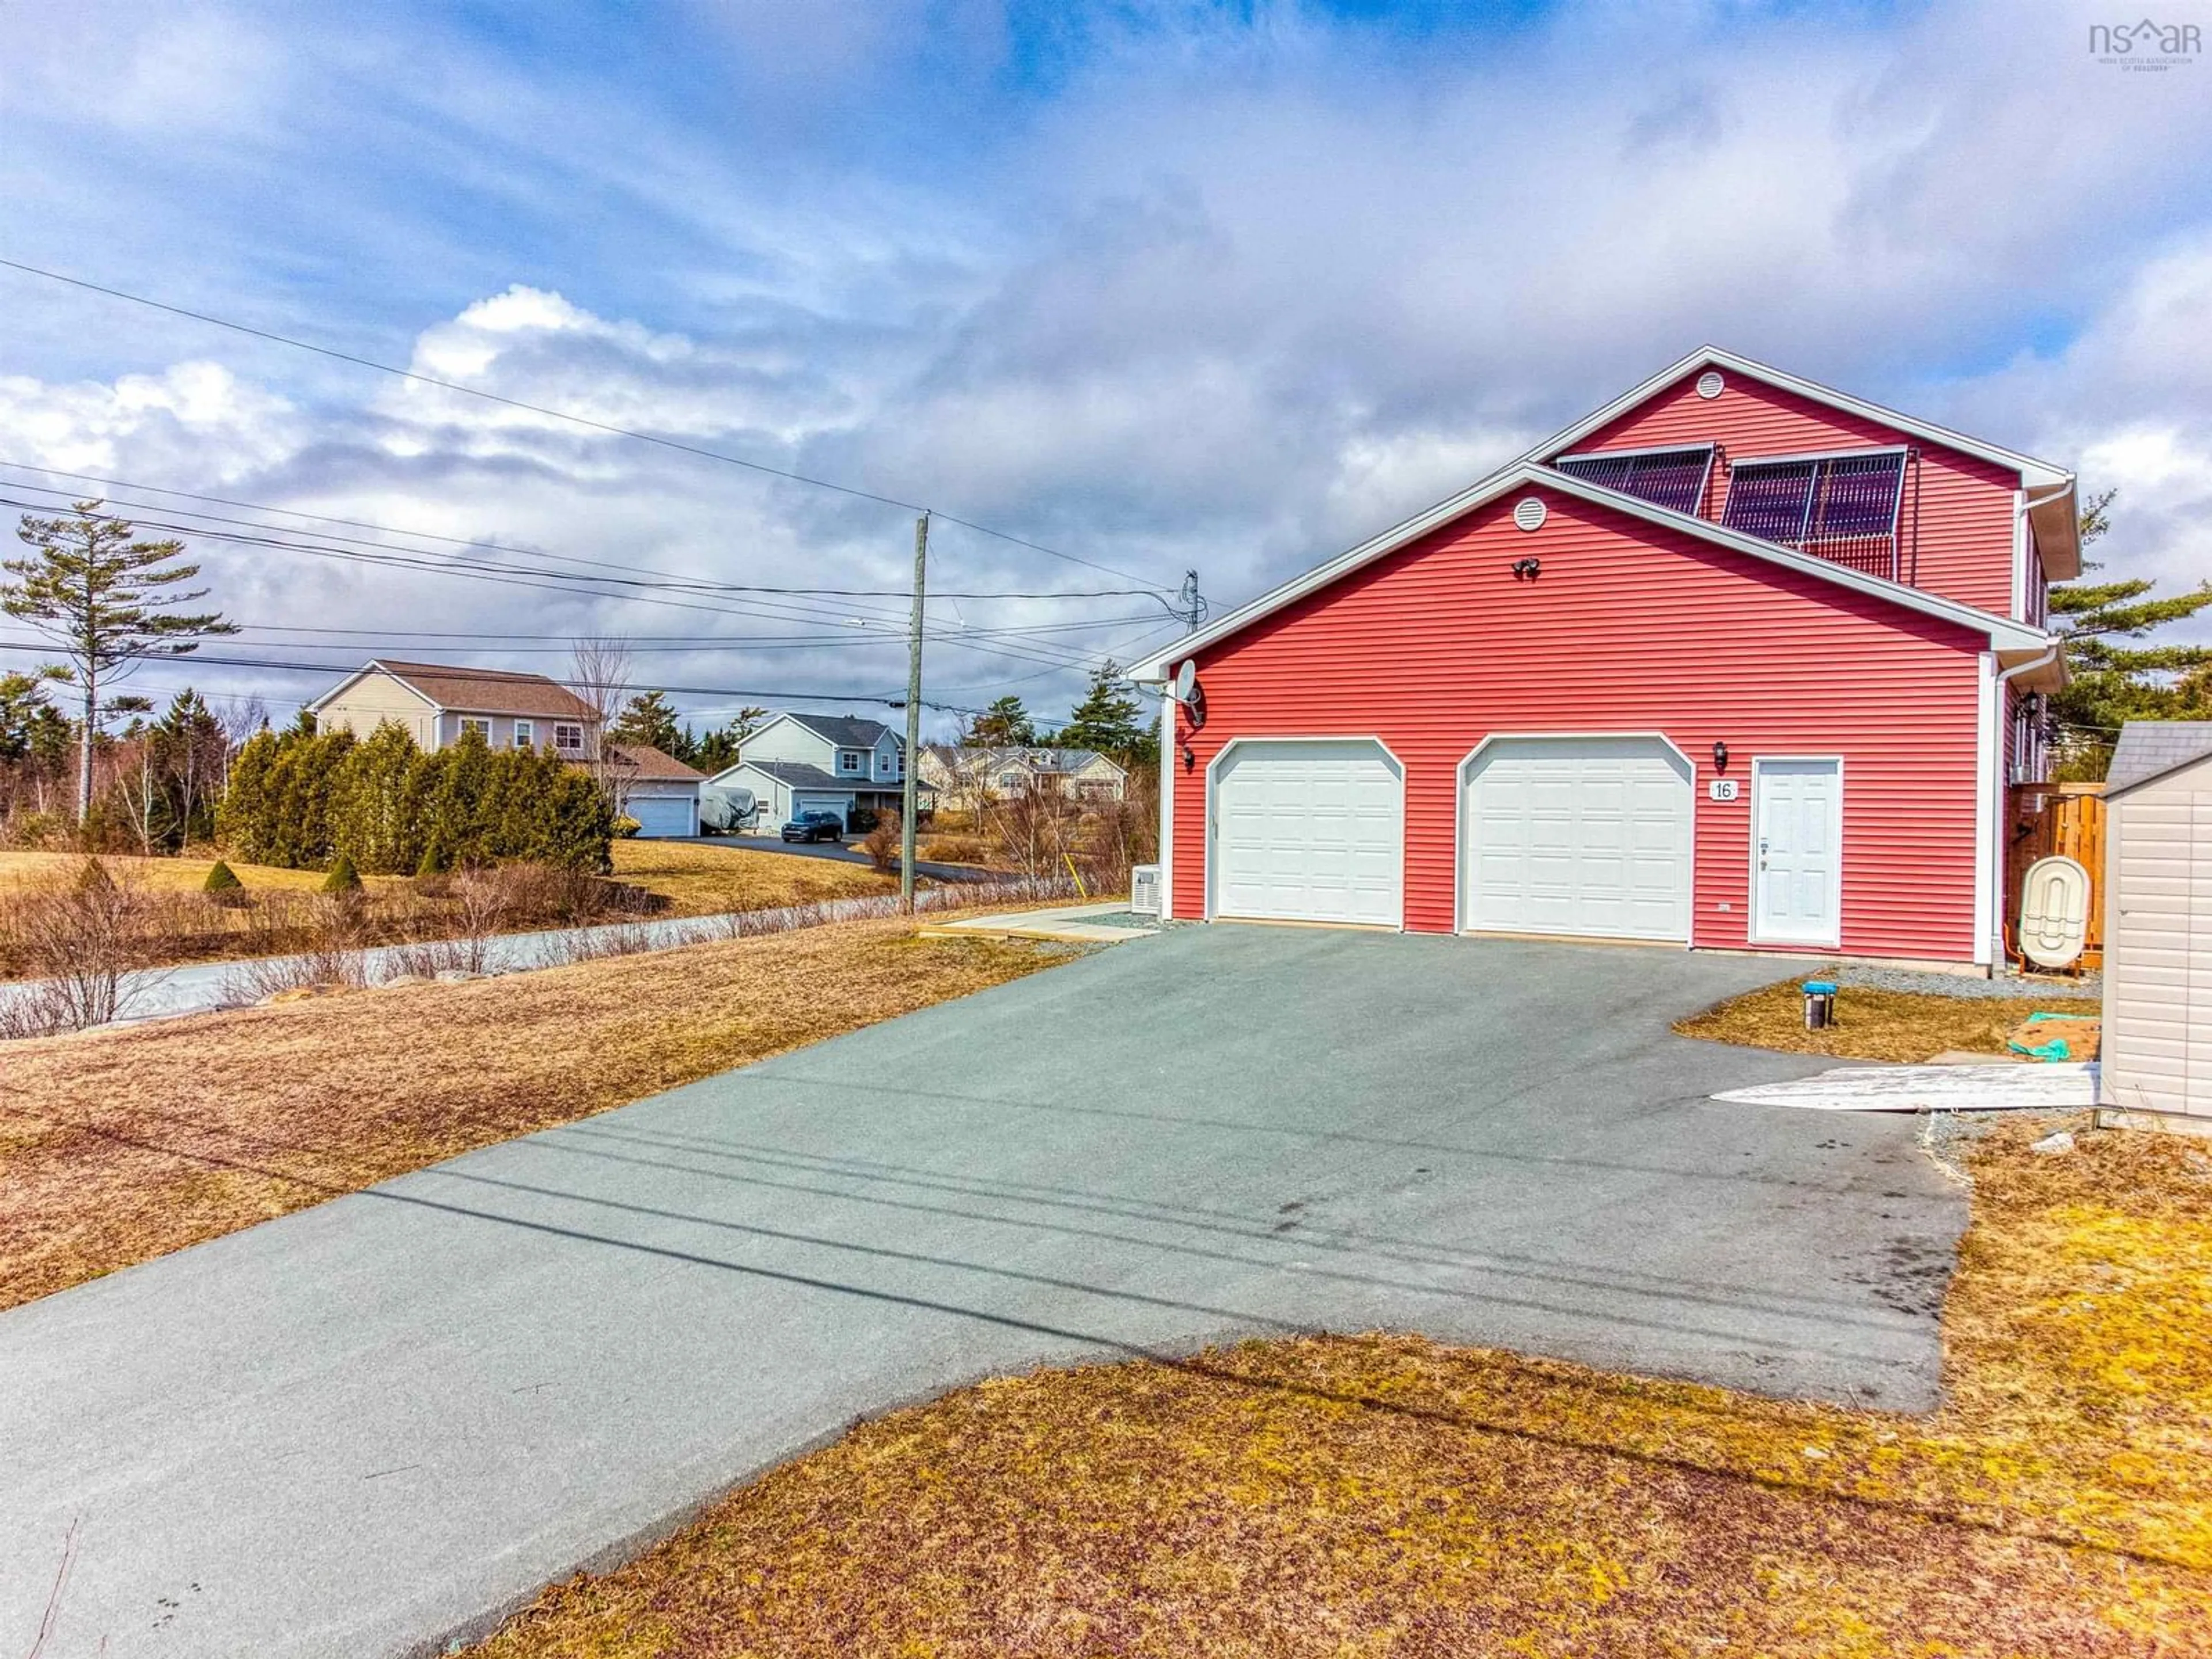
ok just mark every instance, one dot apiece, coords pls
pixel 2158 945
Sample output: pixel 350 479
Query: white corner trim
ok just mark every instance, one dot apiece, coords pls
pixel 1989 820
pixel 1168 760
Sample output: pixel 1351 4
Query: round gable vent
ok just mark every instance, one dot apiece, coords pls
pixel 1528 513
pixel 1710 383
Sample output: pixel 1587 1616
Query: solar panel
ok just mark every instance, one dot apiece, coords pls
pixel 1665 478
pixel 1842 507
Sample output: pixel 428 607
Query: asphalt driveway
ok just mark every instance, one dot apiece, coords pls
pixel 364 1427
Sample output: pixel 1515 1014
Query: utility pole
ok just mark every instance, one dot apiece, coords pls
pixel 912 763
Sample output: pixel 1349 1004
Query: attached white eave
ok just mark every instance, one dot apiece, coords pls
pixel 2002 633
pixel 314 705
pixel 2049 676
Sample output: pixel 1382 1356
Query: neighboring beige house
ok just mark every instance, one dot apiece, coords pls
pixel 434 703
pixel 2157 1057
pixel 968 777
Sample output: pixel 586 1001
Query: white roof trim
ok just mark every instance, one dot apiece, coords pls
pixel 2002 633
pixel 2034 474
pixel 372 666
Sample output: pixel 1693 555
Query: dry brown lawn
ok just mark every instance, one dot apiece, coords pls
pixel 1872 1024
pixel 117 1145
pixel 701 879
pixel 162 875
pixel 1383 1495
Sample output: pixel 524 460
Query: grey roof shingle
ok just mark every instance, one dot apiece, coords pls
pixel 846 730
pixel 2151 748
pixel 800 776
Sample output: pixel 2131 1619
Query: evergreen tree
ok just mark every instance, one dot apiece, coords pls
pixel 22 698
pixel 342 877
pixel 105 600
pixel 2110 683
pixel 187 747
pixel 648 718
pixel 1005 725
pixel 372 809
pixel 1110 721
pixel 241 817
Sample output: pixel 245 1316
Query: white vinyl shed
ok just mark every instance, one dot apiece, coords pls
pixel 2157 1055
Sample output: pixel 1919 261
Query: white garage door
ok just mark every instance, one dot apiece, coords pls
pixel 1310 832
pixel 1578 835
pixel 663 815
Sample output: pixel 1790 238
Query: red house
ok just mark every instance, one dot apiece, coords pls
pixel 1737 661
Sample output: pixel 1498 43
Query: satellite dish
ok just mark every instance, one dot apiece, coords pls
pixel 2054 912
pixel 1186 680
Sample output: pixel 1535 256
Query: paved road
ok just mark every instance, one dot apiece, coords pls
pixel 838 851
pixel 383 1420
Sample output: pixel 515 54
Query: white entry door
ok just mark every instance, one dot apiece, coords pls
pixel 1581 835
pixel 1310 831
pixel 1798 835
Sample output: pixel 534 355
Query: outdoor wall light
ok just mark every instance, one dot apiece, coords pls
pixel 1189 757
pixel 1527 570
pixel 1720 757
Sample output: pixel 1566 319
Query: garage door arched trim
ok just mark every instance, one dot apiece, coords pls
pixel 1217 767
pixel 1462 840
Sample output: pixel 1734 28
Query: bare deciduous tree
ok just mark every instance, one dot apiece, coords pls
pixel 599 673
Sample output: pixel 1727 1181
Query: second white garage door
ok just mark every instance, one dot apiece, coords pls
pixel 1309 831
pixel 1577 835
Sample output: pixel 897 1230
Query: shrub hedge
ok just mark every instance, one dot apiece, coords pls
pixel 300 799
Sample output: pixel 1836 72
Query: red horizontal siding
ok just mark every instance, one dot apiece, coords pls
pixel 1955 524
pixel 1630 628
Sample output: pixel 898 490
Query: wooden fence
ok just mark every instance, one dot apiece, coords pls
pixel 2062 819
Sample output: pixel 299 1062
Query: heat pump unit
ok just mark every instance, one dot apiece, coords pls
pixel 1145 890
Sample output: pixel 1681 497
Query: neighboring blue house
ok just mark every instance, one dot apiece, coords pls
pixel 822 763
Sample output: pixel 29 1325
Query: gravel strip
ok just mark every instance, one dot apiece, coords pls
pixel 2041 988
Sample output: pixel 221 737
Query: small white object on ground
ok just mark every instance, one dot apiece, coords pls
pixel 2057 1087
pixel 2059 1141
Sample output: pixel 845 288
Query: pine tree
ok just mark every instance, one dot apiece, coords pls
pixel 648 718
pixel 1111 721
pixel 342 877
pixel 2110 683
pixel 105 600
pixel 1005 725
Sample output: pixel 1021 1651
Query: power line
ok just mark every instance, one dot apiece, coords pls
pixel 525 576
pixel 556 414
pixel 672 577
pixel 342 669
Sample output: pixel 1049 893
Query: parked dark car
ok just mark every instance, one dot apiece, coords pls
pixel 816 826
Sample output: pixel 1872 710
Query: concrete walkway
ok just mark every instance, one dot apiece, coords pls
pixel 371 1426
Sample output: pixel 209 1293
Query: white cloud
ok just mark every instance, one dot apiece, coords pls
pixel 1234 295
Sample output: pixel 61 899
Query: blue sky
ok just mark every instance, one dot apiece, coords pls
pixel 1165 286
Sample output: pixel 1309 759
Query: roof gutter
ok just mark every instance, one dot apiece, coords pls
pixel 2054 656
